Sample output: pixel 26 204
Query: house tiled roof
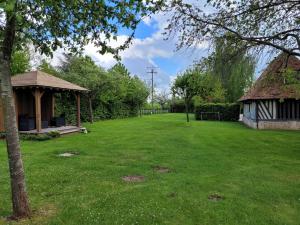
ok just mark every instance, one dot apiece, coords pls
pixel 271 83
pixel 42 79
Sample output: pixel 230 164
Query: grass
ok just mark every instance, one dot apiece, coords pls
pixel 257 172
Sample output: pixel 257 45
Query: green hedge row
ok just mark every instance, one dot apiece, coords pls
pixel 216 111
pixel 179 107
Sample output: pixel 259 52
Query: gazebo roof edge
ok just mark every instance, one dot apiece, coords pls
pixel 41 79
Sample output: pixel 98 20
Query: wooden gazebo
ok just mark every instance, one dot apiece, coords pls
pixel 34 95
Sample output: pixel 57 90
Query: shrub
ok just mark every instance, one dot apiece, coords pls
pixel 40 137
pixel 178 106
pixel 228 111
pixel 35 137
pixel 54 134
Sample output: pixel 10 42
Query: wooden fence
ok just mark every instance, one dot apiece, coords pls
pixel 154 111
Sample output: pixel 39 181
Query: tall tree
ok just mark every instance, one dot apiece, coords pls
pixel 46 67
pixel 260 23
pixel 197 84
pixel 49 25
pixel 232 65
pixel 119 69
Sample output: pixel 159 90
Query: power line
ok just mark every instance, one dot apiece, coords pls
pixel 152 71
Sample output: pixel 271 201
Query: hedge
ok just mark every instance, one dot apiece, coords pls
pixel 179 107
pixel 209 111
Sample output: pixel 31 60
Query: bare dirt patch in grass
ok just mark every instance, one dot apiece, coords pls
pixel 161 169
pixel 172 195
pixel 215 197
pixel 37 217
pixel 133 178
pixel 68 154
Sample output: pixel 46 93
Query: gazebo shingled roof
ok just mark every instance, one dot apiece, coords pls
pixel 270 85
pixel 42 79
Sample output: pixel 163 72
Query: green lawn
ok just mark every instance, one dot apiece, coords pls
pixel 257 172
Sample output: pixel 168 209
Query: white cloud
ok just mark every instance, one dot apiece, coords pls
pixel 143 53
pixel 147 20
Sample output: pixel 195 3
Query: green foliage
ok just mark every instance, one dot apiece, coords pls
pixel 228 112
pixel 232 66
pixel 50 25
pixel 197 83
pixel 40 137
pixel 20 62
pixel 46 67
pixel 259 23
pixel 148 106
pixel 292 81
pixel 178 106
pixel 35 137
pixel 162 98
pixel 54 134
pixel 114 93
pixel 118 69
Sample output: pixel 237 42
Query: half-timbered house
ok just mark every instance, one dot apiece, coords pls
pixel 274 100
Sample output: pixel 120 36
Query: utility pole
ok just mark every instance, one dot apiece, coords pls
pixel 152 72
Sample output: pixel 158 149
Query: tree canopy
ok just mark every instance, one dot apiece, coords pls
pixel 232 66
pixel 114 93
pixel 20 61
pixel 71 24
pixel 274 24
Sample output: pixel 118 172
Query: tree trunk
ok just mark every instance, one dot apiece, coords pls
pixel 18 188
pixel 19 196
pixel 140 110
pixel 187 111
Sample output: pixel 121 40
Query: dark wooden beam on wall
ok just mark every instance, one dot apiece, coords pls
pixel 53 105
pixel 256 113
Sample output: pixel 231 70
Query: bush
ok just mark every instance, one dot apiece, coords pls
pixel 54 134
pixel 40 137
pixel 35 137
pixel 178 106
pixel 227 111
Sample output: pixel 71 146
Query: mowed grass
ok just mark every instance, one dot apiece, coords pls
pixel 257 172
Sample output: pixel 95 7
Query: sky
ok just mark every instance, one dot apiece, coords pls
pixel 149 48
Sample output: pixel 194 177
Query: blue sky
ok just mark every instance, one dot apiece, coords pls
pixel 150 49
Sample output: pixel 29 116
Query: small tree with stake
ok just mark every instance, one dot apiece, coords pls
pixel 183 88
pixel 48 25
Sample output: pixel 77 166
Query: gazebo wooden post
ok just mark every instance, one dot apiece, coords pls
pixel 53 105
pixel 38 119
pixel 38 115
pixel 78 109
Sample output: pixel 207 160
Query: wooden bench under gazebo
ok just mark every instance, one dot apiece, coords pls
pixel 34 95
